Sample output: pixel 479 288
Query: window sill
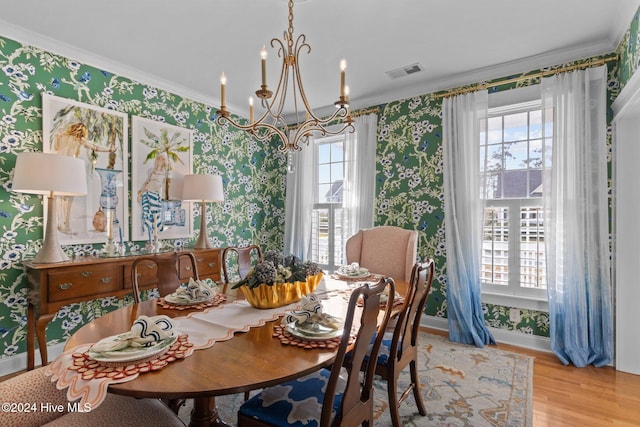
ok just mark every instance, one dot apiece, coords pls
pixel 526 303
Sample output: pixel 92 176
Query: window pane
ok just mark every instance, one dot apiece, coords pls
pixel 324 193
pixel 495 247
pixel 324 174
pixel 494 157
pixel 516 184
pixel 324 153
pixel 535 124
pixel 535 153
pixel 337 152
pixel 515 127
pixel 320 236
pixel 494 129
pixel 532 251
pixel 337 171
pixel 515 155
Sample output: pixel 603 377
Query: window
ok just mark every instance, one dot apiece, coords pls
pixel 514 148
pixel 328 226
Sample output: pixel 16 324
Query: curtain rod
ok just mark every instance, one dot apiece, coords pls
pixel 358 113
pixel 540 74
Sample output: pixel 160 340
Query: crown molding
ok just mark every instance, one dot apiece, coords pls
pixel 40 41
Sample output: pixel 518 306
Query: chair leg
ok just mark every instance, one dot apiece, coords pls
pixel 415 380
pixel 392 391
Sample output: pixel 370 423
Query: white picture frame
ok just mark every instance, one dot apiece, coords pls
pixel 159 149
pixel 99 137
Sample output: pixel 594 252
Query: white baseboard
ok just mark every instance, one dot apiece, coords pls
pixel 18 362
pixel 518 339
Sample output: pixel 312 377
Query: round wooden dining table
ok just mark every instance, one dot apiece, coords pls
pixel 248 361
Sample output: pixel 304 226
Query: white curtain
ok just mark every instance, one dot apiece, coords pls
pixel 299 198
pixel 576 218
pixel 463 123
pixel 360 174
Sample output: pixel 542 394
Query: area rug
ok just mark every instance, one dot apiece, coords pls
pixel 462 385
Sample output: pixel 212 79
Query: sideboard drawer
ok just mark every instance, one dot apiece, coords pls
pixel 147 272
pixel 66 284
pixel 208 263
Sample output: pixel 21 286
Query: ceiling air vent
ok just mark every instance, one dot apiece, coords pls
pixel 405 71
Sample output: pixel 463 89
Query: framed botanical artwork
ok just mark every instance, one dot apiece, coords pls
pixel 99 137
pixel 161 155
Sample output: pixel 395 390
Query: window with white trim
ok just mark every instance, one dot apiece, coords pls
pixel 514 149
pixel 328 216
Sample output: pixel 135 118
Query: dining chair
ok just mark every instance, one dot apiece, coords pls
pixel 387 250
pixel 168 271
pixel 400 342
pixel 335 396
pixel 36 387
pixel 241 259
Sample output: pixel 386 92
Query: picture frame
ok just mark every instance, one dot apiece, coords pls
pixel 161 155
pixel 100 138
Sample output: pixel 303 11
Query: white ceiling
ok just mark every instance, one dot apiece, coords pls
pixel 183 46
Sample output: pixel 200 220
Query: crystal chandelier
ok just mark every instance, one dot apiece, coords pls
pixel 272 121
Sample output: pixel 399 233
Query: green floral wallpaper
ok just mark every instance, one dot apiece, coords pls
pixel 252 213
pixel 629 51
pixel 409 175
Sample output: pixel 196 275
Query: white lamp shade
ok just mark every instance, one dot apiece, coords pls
pixel 43 173
pixel 203 187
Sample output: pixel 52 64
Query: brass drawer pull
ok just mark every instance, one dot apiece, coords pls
pixel 200 259
pixel 188 268
pixel 151 265
pixel 86 273
pixel 106 280
pixel 212 264
pixel 65 286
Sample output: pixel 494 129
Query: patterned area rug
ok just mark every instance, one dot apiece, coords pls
pixel 462 385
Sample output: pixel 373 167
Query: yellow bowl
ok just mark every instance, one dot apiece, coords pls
pixel 279 294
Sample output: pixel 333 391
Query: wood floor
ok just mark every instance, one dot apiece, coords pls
pixel 580 397
pixel 565 396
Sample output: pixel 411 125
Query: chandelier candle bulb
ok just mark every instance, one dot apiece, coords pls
pixel 263 56
pixel 251 110
pixel 343 67
pixel 223 85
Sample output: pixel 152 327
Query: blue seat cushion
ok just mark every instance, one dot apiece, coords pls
pixel 295 403
pixel 385 348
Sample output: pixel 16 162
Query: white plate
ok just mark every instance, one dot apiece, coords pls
pixel 313 331
pixel 360 274
pixel 130 354
pixel 174 299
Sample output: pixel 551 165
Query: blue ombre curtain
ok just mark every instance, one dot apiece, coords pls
pixel 464 120
pixel 576 218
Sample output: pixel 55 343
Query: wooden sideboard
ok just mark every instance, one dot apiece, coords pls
pixel 52 286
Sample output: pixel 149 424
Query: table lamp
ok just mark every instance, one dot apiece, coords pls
pixel 203 188
pixel 53 175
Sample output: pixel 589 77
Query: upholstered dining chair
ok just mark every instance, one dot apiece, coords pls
pixel 330 397
pixel 400 343
pixel 386 250
pixel 241 258
pixel 35 387
pixel 167 270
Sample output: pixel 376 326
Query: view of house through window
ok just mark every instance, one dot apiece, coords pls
pixel 514 149
pixel 328 218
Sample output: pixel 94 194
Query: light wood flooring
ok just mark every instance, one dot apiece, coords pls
pixel 565 396
pixel 580 397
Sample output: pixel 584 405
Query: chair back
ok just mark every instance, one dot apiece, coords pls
pixel 245 258
pixel 405 333
pixel 167 268
pixel 387 250
pixel 357 401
